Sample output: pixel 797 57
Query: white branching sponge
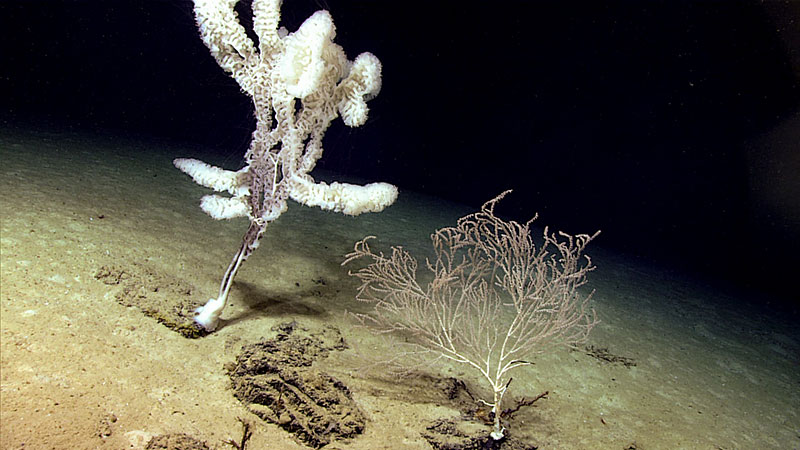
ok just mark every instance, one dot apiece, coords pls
pixel 299 82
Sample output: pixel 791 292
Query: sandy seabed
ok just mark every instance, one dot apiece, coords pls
pixel 676 364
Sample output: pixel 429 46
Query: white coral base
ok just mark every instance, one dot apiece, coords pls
pixel 208 314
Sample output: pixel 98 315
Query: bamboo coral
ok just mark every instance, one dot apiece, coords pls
pixel 279 71
pixel 494 298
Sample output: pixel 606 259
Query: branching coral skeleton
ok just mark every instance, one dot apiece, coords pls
pixel 495 298
pixel 279 71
